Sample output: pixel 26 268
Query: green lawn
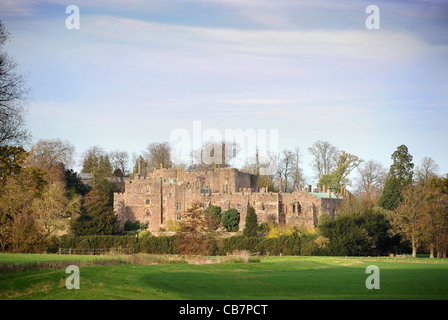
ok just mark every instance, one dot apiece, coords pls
pixel 279 278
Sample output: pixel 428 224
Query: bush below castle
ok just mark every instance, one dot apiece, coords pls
pixel 284 245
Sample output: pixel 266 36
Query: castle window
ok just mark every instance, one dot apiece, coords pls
pixel 299 207
pixel 293 208
pixel 147 213
pixel 179 206
pixel 263 206
pixel 171 193
pixel 147 201
pixel 178 217
pixel 238 206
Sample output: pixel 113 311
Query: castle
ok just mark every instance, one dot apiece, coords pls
pixel 165 194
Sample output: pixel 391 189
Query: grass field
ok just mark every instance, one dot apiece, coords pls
pixel 272 278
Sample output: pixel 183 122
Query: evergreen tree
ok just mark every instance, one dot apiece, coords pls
pixel 400 176
pixel 230 220
pixel 97 216
pixel 251 223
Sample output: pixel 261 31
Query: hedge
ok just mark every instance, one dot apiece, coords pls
pixel 283 245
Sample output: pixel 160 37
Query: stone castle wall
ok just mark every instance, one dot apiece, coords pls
pixel 165 195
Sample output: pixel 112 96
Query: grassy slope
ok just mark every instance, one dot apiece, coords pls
pixel 274 278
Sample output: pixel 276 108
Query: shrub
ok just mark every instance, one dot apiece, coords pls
pixel 131 226
pixel 230 220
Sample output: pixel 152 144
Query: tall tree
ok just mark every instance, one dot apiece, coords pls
pixel 51 208
pixel 49 152
pixel 97 162
pixel 324 157
pixel 400 176
pixel 91 159
pixel 370 182
pixel 296 171
pixel 408 215
pixel 54 156
pixel 285 169
pixel 97 216
pixel 196 236
pixel 435 221
pixel 345 163
pixel 13 98
pixel 251 228
pixel 16 197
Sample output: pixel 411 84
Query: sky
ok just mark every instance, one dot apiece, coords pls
pixel 136 72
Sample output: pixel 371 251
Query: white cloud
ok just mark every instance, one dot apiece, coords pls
pixel 221 48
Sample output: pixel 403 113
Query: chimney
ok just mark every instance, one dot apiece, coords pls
pixel 329 192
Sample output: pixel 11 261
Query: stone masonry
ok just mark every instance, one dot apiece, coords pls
pixel 164 195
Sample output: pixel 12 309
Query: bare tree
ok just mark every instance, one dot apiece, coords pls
pixel 286 168
pixel 324 154
pixel 120 163
pixel 54 156
pixel 427 169
pixel 48 152
pixel 370 181
pixel 13 96
pixel 296 172
pixel 263 166
pixel 407 217
pixel 158 153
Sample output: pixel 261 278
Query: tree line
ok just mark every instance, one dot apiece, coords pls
pixel 41 197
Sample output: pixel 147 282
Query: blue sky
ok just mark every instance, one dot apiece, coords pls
pixel 137 70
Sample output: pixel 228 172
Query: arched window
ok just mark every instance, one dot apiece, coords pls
pixel 147 201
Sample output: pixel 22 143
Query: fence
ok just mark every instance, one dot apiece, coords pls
pixel 94 251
